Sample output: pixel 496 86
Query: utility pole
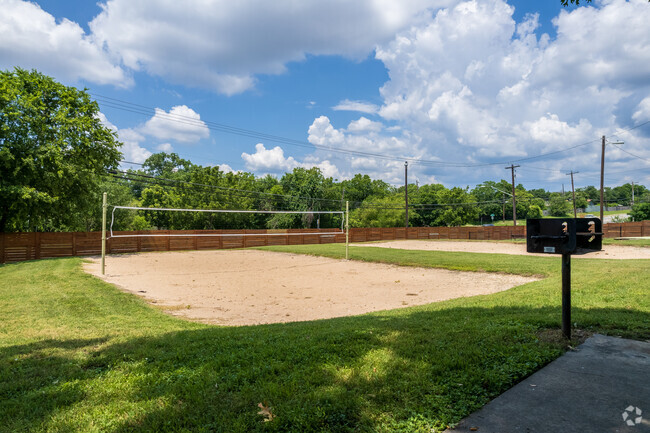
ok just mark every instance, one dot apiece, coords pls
pixel 514 203
pixel 406 194
pixel 602 177
pixel 573 191
pixel 632 204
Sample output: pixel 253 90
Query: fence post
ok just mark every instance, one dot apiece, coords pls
pixel 74 244
pixel 37 245
pixel 104 207
pixel 347 230
pixel 2 247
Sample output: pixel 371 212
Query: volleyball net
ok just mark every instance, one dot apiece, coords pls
pixel 216 232
pixel 342 214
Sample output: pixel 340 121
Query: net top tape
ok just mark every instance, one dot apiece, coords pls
pixel 231 211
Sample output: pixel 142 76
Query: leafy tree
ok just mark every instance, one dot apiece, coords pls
pixel 487 192
pixel 640 212
pixel 120 194
pixel 425 195
pixel 165 164
pixel 589 192
pixel 53 149
pixel 307 186
pixel 380 212
pixel 558 206
pixel 581 200
pixel 539 193
pixel 534 211
pixel 461 209
pixel 539 202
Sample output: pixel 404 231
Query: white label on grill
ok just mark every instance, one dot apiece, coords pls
pixel 549 249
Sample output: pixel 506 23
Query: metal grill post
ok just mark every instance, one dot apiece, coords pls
pixel 104 206
pixel 566 295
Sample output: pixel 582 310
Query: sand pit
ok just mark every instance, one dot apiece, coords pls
pixel 608 251
pixel 246 287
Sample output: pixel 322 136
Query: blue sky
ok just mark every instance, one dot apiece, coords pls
pixel 458 88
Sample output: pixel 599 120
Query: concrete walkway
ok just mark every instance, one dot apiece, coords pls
pixel 600 387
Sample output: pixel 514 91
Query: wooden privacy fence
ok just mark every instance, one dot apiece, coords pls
pixel 15 247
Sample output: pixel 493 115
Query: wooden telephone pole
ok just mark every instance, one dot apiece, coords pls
pixel 406 194
pixel 602 176
pixel 514 203
pixel 602 181
pixel 573 191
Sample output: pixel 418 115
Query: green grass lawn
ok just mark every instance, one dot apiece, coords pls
pixel 77 354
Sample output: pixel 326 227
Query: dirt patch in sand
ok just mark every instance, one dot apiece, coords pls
pixel 608 251
pixel 246 287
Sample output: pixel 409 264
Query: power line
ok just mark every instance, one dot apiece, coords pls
pixel 629 153
pixel 145 110
pixel 223 188
pixel 362 204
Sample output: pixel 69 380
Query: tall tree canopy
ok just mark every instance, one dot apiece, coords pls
pixel 53 148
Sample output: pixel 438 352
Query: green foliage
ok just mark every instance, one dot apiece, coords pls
pixel 640 212
pixel 558 206
pixel 589 192
pixel 534 211
pixel 163 164
pixel 53 147
pixel 463 211
pixel 425 195
pixel 360 187
pixel 581 201
pixel 380 212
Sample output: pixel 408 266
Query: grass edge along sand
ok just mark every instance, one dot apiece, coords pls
pixel 77 354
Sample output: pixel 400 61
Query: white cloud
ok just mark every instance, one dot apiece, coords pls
pixel 474 86
pixel 222 45
pixel 549 129
pixel 131 148
pixel 361 106
pixel 130 139
pixel 364 125
pixel 32 39
pixel 643 110
pixel 268 160
pixel 227 169
pixel 265 161
pixel 322 133
pixel 366 136
pixel 326 167
pixel 181 124
pixel 165 147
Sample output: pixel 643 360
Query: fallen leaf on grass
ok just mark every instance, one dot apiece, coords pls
pixel 266 412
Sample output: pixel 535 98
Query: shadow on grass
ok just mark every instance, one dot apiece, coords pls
pixel 405 370
pixel 39 378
